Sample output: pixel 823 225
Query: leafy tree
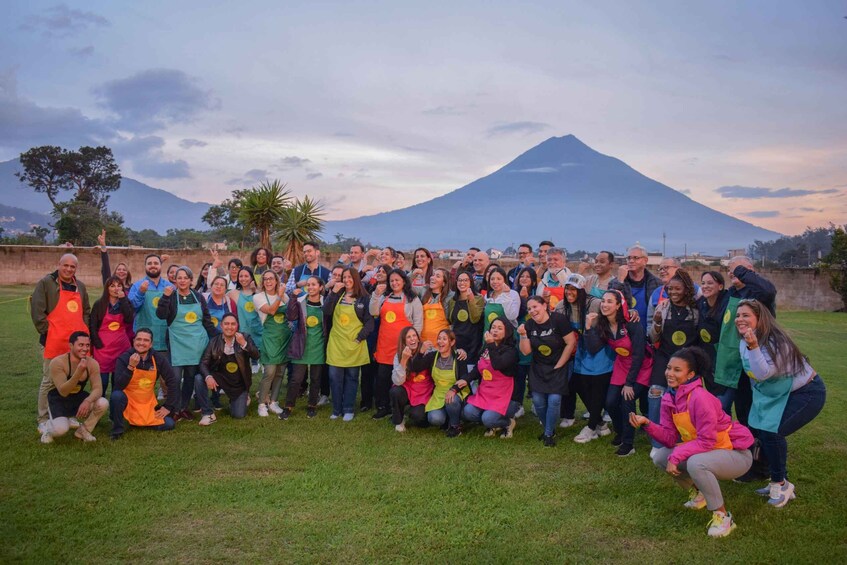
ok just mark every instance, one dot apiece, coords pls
pixel 836 260
pixel 301 222
pixel 89 174
pixel 342 244
pixel 224 219
pixel 40 233
pixel 262 207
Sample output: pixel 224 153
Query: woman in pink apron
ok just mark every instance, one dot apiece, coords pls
pixel 632 367
pixel 110 325
pixel 412 388
pixel 492 403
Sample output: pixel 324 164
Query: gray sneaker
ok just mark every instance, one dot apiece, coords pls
pixel 323 400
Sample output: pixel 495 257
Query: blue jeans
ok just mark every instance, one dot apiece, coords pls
pixel 104 380
pixel 187 374
pixel 726 399
pixel 343 386
pixel 619 408
pixel 547 408
pixel 237 405
pixel 451 412
pixel 117 405
pixel 803 405
pixel 654 407
pixel 490 418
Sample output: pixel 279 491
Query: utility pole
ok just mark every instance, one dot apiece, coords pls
pixel 664 240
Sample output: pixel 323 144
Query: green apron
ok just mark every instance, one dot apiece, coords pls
pixel 491 312
pixel 187 336
pixel 248 319
pixel 315 351
pixel 276 335
pixel 342 349
pixel 146 318
pixel 769 399
pixel 728 366
pixel 444 379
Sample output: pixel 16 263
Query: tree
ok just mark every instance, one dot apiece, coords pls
pixel 224 218
pixel 262 207
pixel 837 263
pixel 90 174
pixel 40 233
pixel 300 222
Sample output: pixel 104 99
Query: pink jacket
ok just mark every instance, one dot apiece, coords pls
pixel 707 417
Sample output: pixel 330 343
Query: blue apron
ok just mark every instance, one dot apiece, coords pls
pixel 769 399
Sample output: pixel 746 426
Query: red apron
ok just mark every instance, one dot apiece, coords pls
pixel 434 320
pixel 623 362
pixel 495 388
pixel 393 319
pixel 141 398
pixel 557 294
pixel 65 319
pixel 115 337
pixel 419 387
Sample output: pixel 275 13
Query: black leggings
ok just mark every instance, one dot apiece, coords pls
pixel 382 385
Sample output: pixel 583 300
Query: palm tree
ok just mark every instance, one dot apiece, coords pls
pixel 300 222
pixel 263 206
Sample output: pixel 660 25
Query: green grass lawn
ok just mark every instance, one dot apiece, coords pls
pixel 261 490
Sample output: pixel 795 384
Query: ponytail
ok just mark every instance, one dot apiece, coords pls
pixel 696 359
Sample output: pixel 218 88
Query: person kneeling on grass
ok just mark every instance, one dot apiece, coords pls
pixel 226 364
pixel 69 375
pixel 448 366
pixel 133 396
pixel 412 380
pixel 701 443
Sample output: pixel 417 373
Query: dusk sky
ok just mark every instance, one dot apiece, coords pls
pixel 373 106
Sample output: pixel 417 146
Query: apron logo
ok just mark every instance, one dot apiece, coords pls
pixel 726 316
pixel 191 317
pixel 750 374
pixel 462 316
pixel 430 314
pixel 344 319
pixel 156 302
pixel 231 367
pixel 391 317
pixel 312 321
pixel 492 316
pixel 443 383
pixel 249 307
pixel 419 378
pixel 678 337
pixel 145 384
pixel 114 326
pixel 684 434
pixel 215 321
pixel 553 300
pixel 623 352
pixel 73 306
pixel 76 389
pixel 279 318
pixel 544 350
pixel 705 336
pixel 486 375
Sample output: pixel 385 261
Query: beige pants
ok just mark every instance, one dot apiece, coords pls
pixel 43 389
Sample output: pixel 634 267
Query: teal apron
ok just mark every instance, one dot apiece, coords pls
pixel 769 399
pixel 186 334
pixel 146 318
pixel 728 366
pixel 248 319
pixel 276 335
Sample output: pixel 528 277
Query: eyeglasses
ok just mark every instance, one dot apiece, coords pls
pixel 633 258
pixel 664 269
pixel 523 253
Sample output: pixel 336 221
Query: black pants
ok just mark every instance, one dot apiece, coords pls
pixel 592 390
pixel 297 378
pixel 743 399
pixel 399 401
pixel 368 377
pixel 382 385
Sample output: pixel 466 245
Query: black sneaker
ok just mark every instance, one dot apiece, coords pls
pixel 381 413
pixel 541 436
pixel 549 441
pixel 364 408
pixel 115 437
pixel 617 441
pixel 625 450
pixel 311 412
pixel 453 431
pixel 286 412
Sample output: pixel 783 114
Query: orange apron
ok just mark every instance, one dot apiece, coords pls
pixel 434 320
pixel 393 319
pixel 141 398
pixel 65 319
pixel 557 294
pixel 687 431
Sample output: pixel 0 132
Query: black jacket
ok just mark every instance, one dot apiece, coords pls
pixel 212 359
pixel 362 308
pixel 163 371
pixel 168 306
pixel 95 321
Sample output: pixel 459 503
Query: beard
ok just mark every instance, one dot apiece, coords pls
pixel 153 274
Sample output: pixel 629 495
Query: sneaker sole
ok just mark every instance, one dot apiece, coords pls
pixel 725 533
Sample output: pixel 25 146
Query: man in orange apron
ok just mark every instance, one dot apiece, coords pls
pixel 133 399
pixel 551 285
pixel 59 307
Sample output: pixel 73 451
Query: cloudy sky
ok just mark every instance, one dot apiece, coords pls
pixel 376 105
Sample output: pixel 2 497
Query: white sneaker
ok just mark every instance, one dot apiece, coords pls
pixel 333 416
pixel 520 413
pixel 696 500
pixel 567 422
pixel 607 418
pixel 263 410
pixel 43 426
pixel 586 435
pixel 586 415
pixel 275 408
pixel 781 493
pixel 348 417
pixel 721 524
pixel 603 429
pixel 46 437
pixel 323 400
pixel 209 419
pixel 400 428
pixel 83 434
pixel 73 423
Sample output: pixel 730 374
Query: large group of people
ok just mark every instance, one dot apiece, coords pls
pixel 441 348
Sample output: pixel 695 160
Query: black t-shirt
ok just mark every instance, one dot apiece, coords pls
pixel 547 339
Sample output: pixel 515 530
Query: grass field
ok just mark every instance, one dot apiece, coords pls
pixel 261 490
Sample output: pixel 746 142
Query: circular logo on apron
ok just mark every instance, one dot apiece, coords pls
pixel 145 383
pixel 750 374
pixel 544 350
pixel 191 317
pixel 156 302
pixel 443 383
pixel 492 316
pixel 249 307
pixel 390 317
pixel 726 316
pixel 430 314
pixel 279 318
pixel 678 337
pixel 553 300
pixel 462 316
pixel 76 389
pixel 114 326
pixel 419 378
pixel 231 367
pixel 73 306
pixel 344 319
pixel 486 375
pixel 312 321
pixel 622 351
pixel 684 434
pixel 215 321
pixel 705 336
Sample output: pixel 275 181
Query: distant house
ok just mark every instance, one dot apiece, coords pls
pixel 215 245
pixel 494 253
pixel 451 254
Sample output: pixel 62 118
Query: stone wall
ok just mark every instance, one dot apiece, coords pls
pixel 799 289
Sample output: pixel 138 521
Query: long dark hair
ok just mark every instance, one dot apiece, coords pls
pixel 201 280
pixel 689 291
pixel 603 323
pixel 401 343
pixel 407 284
pixel 718 278
pixel 533 276
pixel 445 290
pixel 102 305
pixel 429 266
pixel 358 289
pixel 455 282
pixel 490 270
pixel 696 359
pixel 238 276
pixel 268 254
pixel 581 305
pixel 784 353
